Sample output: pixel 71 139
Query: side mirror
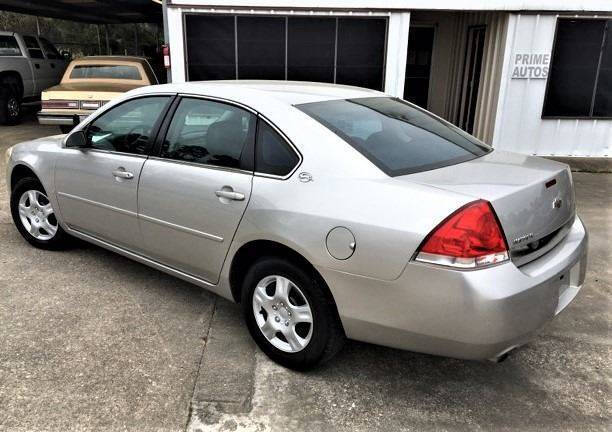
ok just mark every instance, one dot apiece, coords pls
pixel 76 140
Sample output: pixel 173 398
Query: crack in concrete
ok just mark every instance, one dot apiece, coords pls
pixel 225 384
pixel 195 381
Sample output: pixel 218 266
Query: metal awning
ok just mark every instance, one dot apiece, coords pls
pixel 89 11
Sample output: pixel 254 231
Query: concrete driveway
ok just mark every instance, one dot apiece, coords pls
pixel 92 341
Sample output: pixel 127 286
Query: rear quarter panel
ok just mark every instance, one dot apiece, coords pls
pixel 388 221
pixel 388 218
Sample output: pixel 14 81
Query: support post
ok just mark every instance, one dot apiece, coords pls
pixel 99 40
pixel 135 39
pixel 166 36
pixel 397 53
pixel 108 51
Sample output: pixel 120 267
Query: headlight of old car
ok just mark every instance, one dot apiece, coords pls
pixel 7 154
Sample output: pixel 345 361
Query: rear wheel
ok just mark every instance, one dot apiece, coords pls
pixel 289 314
pixel 10 105
pixel 34 215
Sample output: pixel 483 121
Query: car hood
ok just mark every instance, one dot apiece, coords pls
pixel 533 197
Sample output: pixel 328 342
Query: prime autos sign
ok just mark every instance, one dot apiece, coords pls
pixel 530 65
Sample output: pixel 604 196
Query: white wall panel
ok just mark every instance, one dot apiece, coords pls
pixel 519 125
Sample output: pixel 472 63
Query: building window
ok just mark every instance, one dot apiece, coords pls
pixel 311 49
pixel 261 48
pixel 361 48
pixel 216 33
pixel 336 50
pixel 580 80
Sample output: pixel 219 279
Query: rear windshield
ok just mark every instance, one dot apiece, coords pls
pixel 397 137
pixel 125 72
pixel 9 47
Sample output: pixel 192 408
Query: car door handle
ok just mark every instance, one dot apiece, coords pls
pixel 119 173
pixel 231 195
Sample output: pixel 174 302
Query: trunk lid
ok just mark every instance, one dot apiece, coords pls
pixel 90 90
pixel 533 197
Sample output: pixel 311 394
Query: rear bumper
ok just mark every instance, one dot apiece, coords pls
pixel 62 118
pixel 477 314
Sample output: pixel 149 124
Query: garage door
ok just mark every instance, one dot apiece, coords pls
pixel 336 50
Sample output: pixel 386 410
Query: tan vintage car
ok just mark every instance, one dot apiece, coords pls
pixel 89 83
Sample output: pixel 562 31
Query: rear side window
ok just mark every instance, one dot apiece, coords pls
pixel 397 137
pixel 272 153
pixel 125 72
pixel 210 133
pixel 50 50
pixel 34 49
pixel 9 47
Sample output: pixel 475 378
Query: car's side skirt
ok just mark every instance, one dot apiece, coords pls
pixel 142 259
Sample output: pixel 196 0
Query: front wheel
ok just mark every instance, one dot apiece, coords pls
pixel 34 215
pixel 289 315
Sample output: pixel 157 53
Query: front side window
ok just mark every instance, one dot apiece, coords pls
pixel 50 50
pixel 126 128
pixel 33 47
pixel 272 153
pixel 9 47
pixel 580 80
pixel 395 136
pixel 210 133
pixel 126 72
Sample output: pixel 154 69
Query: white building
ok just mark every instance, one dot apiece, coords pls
pixel 527 76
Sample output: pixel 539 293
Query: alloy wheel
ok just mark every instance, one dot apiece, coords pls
pixel 282 313
pixel 13 107
pixel 37 216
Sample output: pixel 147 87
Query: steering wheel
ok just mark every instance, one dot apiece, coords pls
pixel 129 144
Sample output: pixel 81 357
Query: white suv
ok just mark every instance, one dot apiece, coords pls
pixel 28 65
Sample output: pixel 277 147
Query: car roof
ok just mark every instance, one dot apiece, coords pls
pixel 249 91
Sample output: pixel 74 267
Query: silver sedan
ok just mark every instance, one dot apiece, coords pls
pixel 327 211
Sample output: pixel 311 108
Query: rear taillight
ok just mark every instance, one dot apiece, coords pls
pixel 469 238
pixel 92 105
pixel 59 104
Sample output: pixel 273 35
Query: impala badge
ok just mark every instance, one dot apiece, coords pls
pixel 522 238
pixel 557 203
pixel 305 177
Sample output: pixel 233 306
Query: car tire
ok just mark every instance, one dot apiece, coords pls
pixel 34 216
pixel 10 105
pixel 66 129
pixel 291 341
